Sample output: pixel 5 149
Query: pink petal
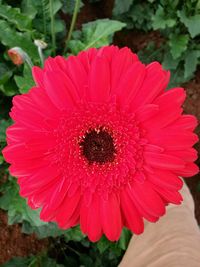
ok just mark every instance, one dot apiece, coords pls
pixel 173 140
pixel 123 60
pixel 67 209
pixel 189 155
pixel 130 83
pixel 165 179
pixel 60 90
pixel 111 217
pixel 38 75
pixel 43 103
pixel 146 112
pixel 109 52
pixel 177 95
pixel 74 66
pixel 189 170
pixel 131 214
pixel 148 198
pixel 99 80
pixel 90 219
pixel 185 122
pixel 163 161
pixel 170 195
pixel 155 82
pixel 167 115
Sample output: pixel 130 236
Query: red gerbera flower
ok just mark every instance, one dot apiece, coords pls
pixel 100 142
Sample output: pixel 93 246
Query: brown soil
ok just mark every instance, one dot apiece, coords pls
pixel 137 40
pixel 14 243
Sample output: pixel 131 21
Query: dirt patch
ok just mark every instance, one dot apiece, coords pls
pixel 14 243
pixel 137 40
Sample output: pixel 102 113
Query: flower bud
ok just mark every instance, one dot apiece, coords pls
pixel 17 55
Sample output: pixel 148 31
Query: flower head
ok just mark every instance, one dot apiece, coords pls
pixel 40 44
pixel 16 54
pixel 98 141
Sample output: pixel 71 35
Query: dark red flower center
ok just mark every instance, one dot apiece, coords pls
pixel 98 146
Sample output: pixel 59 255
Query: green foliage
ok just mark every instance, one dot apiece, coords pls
pixel 191 63
pixel 24 82
pixel 178 44
pixel 3 126
pixel 177 21
pixel 5 73
pixel 94 34
pixel 11 38
pixel 192 23
pixel 32 261
pixel 18 211
pixel 14 16
pixel 161 21
pixel 121 6
pixel 68 6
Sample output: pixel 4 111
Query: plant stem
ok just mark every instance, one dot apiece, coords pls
pixel 28 60
pixel 41 56
pixel 53 36
pixel 73 21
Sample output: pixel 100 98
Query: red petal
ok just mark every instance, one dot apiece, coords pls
pixel 166 179
pixel 130 83
pixel 155 82
pixel 90 220
pixel 148 198
pixel 111 217
pixel 164 161
pixel 131 214
pixel 120 64
pixel 99 80
pixel 60 90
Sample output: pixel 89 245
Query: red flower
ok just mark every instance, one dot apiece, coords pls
pixel 100 142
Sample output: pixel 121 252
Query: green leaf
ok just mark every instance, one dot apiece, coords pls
pixel 9 88
pixel 32 261
pixel 178 44
pixel 96 34
pixel 192 23
pixel 103 244
pixel 24 82
pixel 161 21
pixel 11 38
pixel 28 8
pixel 121 6
pixel 124 238
pixel 18 262
pixel 169 63
pixel 191 62
pixel 18 211
pixel 43 231
pixel 68 6
pixel 14 15
pixel 3 126
pixel 56 6
pixel 33 217
pixel 74 234
pixel 5 73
